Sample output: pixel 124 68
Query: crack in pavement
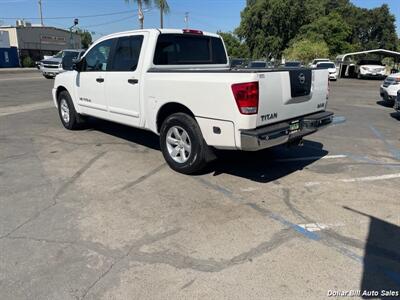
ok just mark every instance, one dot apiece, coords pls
pixel 142 178
pixel 58 193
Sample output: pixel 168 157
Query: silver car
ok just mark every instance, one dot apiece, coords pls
pixel 60 62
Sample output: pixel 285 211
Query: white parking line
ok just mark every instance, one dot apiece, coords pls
pixel 319 226
pixel 311 158
pixel 357 179
pixel 20 78
pixel 11 110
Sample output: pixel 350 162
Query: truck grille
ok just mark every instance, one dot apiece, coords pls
pixel 51 66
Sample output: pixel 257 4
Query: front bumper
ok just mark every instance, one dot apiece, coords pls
pixel 388 94
pixel 51 71
pixel 283 132
pixel 333 76
pixel 397 102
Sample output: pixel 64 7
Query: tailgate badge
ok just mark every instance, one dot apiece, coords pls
pixel 302 78
pixel 269 116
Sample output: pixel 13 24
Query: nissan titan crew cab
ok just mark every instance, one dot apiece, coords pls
pixel 178 84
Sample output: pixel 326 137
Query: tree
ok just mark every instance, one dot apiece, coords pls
pixel 86 38
pixel 306 50
pixel 140 9
pixel 234 46
pixel 332 29
pixel 267 26
pixel 164 8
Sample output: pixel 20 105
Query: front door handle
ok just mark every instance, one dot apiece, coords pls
pixel 100 79
pixel 133 81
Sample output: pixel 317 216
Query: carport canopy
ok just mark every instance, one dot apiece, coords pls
pixel 345 61
pixel 381 52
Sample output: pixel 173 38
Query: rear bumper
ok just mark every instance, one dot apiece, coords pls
pixel 280 133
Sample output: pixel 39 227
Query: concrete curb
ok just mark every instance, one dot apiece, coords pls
pixel 18 70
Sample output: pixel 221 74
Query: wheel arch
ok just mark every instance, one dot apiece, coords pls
pixel 60 89
pixel 168 109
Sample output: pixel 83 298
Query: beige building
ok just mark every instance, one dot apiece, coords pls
pixel 36 41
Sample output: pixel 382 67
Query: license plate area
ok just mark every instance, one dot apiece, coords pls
pixel 294 126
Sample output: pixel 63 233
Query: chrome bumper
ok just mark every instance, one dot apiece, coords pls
pixel 280 133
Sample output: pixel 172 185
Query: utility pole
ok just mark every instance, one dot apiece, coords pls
pixel 187 20
pixel 140 13
pixel 40 12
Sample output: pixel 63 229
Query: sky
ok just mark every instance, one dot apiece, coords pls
pixel 207 15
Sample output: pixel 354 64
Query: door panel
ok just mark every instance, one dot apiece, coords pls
pixel 90 82
pixel 123 80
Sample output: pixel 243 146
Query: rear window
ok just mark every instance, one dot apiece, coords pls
pixel 181 49
pixel 369 62
pixel 326 66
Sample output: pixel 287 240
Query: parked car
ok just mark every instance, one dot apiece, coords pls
pixel 179 85
pixel 259 64
pixel 238 63
pixel 370 69
pixel 331 69
pixel 314 63
pixel 397 102
pixel 292 64
pixel 60 62
pixel 390 87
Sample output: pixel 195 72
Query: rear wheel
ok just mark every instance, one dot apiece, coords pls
pixel 69 117
pixel 182 144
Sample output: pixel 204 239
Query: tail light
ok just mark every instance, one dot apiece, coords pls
pixel 246 96
pixel 192 31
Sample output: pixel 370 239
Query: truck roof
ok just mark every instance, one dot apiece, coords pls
pixel 164 30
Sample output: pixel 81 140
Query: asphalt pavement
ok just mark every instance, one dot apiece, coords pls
pixel 97 214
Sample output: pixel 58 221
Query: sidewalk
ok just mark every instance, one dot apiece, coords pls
pixel 18 70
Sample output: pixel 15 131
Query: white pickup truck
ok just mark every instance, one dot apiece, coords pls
pixel 178 84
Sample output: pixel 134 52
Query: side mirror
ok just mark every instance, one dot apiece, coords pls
pixel 77 64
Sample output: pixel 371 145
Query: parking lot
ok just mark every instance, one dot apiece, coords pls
pixel 97 214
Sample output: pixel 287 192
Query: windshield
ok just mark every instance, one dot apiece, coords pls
pixel 326 65
pixel 58 55
pixel 369 62
pixel 258 65
pixel 292 64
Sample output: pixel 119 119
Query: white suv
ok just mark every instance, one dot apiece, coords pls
pixel 390 87
pixel 370 68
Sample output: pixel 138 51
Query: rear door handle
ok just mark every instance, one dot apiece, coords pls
pixel 100 79
pixel 133 81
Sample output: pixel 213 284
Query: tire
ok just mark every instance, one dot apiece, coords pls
pixel 182 144
pixel 70 119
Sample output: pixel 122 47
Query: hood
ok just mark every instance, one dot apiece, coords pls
pixel 331 70
pixel 372 66
pixel 52 61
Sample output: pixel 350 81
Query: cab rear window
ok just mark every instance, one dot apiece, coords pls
pixel 186 49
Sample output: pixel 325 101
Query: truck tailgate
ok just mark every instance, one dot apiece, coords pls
pixel 288 94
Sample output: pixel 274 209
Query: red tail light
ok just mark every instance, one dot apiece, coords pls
pixel 246 96
pixel 192 31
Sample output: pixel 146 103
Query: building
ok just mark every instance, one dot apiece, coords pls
pixel 36 41
pixel 8 54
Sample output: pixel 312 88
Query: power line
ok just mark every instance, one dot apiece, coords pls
pixel 70 17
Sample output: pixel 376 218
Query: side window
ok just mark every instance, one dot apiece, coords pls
pixel 127 52
pixel 97 58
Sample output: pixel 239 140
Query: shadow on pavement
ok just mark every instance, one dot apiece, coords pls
pixel 385 103
pixel 261 166
pixel 269 164
pixel 381 273
pixel 395 115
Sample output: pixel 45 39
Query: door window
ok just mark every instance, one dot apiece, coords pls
pixel 127 53
pixel 97 58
